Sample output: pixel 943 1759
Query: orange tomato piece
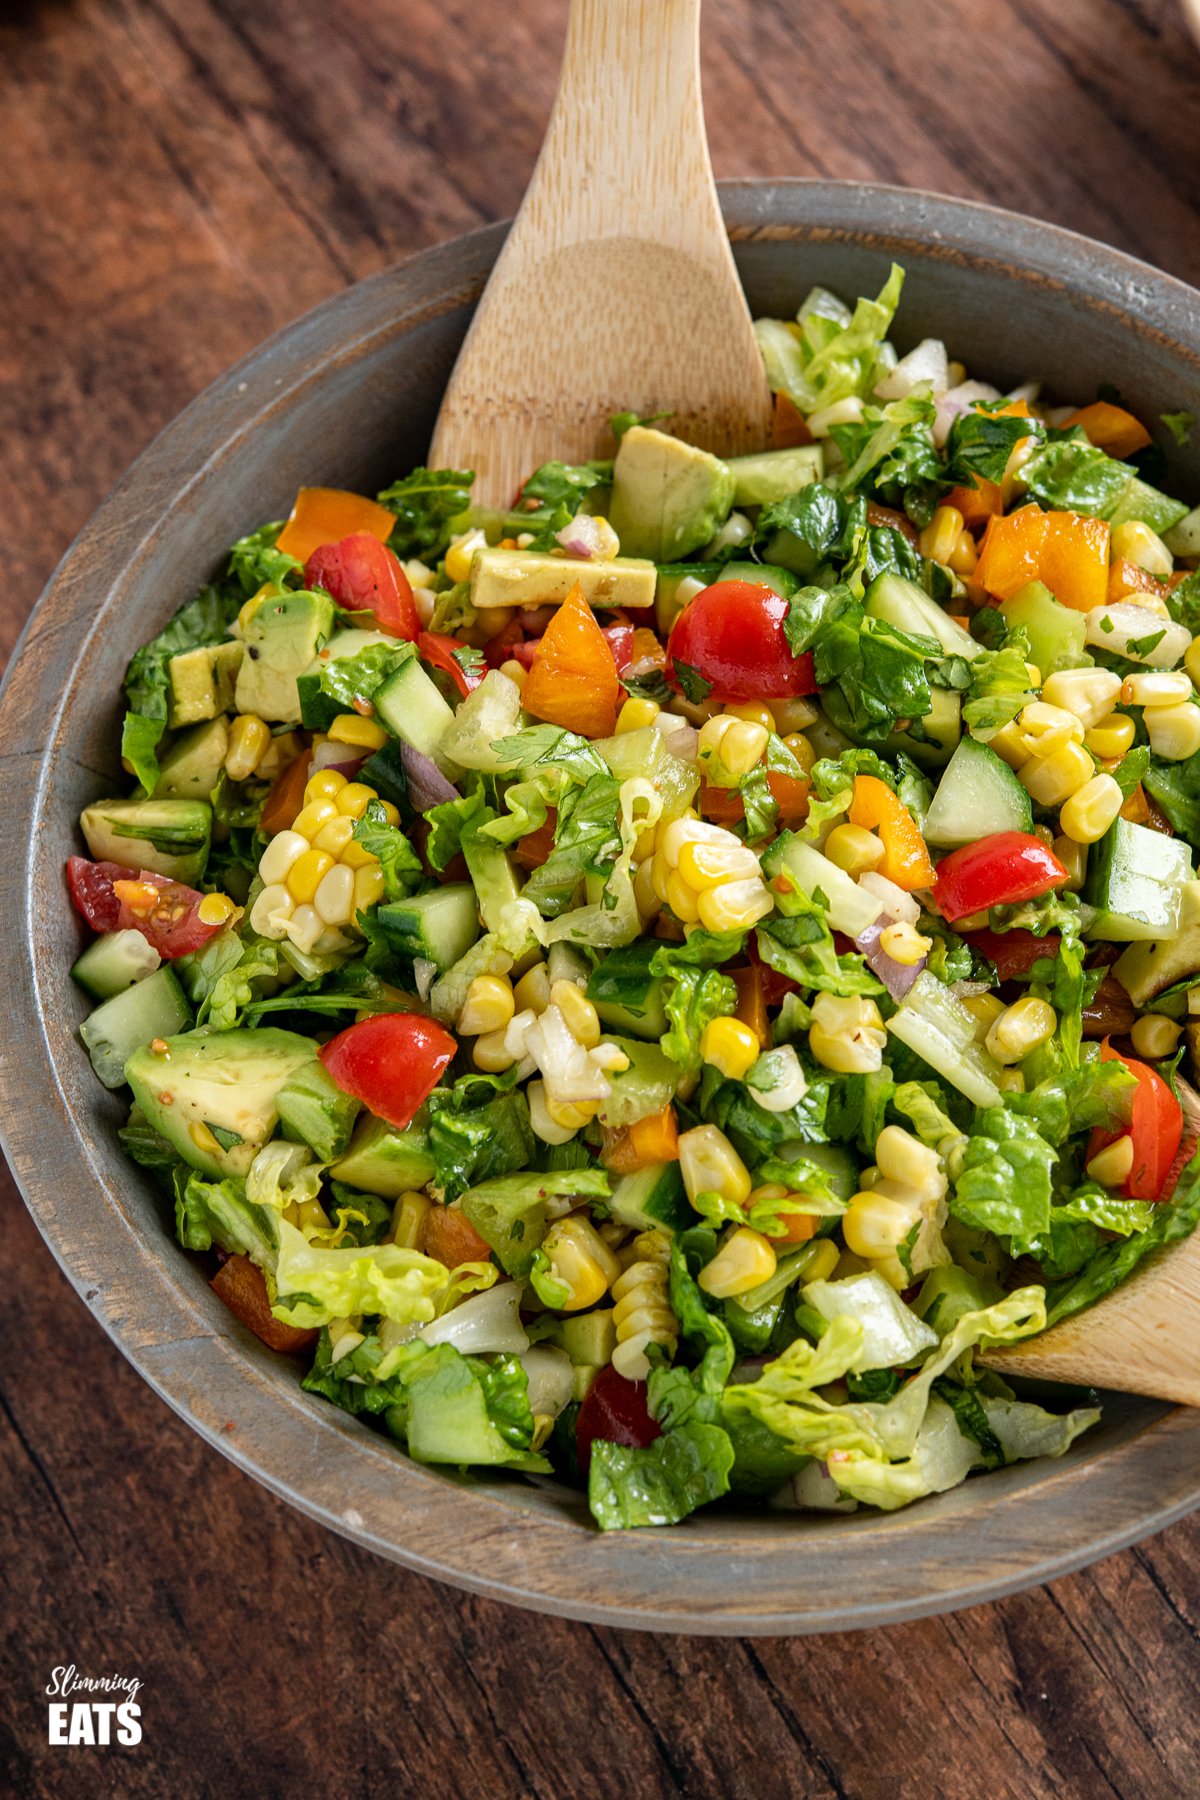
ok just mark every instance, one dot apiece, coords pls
pixel 788 425
pixel 644 1144
pixel 573 679
pixel 327 515
pixel 1111 428
pixel 239 1283
pixel 534 848
pixel 977 504
pixel 798 1228
pixel 726 806
pixel 751 1006
pixel 906 861
pixel 449 1237
pixel 286 797
pixel 1124 578
pixel 1074 560
pixel 1136 807
pixel 647 650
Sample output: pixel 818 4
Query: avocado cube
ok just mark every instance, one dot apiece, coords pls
pixel 282 636
pixel 226 1081
pixel 1135 881
pixel 385 1160
pixel 192 766
pixel 669 498
pixel 167 837
pixel 1146 969
pixel 202 682
pixel 314 1110
pixel 536 578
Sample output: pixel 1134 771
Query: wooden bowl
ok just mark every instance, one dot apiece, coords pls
pixel 347 396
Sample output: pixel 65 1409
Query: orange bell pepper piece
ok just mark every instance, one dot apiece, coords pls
pixel 725 805
pixel 1011 554
pixel 977 504
pixel 788 425
pixel 906 861
pixel 1111 428
pixel 751 1006
pixel 1065 550
pixel 534 848
pixel 798 1228
pixel 327 515
pixel 1137 806
pixel 239 1283
pixel 1124 578
pixel 573 680
pixel 644 1144
pixel 286 797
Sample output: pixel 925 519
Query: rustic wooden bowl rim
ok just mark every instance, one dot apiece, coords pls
pixel 747 1571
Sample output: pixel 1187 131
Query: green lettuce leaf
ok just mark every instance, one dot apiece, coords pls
pixel 1004 1183
pixel 209 1213
pixel 316 1285
pixel 340 681
pixel 139 738
pixel 204 620
pixel 256 559
pixel 685 1468
pixel 427 504
pixel 1115 1262
pixel 401 866
pixel 478 1129
pixel 509 1212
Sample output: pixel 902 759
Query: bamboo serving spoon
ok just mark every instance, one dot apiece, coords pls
pixel 1144 1338
pixel 616 287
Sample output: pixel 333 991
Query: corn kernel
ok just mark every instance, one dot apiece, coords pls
pixel 249 740
pixel 334 898
pixel 461 554
pixel 1052 779
pixel 271 911
pixel 939 540
pixel 735 743
pixel 369 886
pixel 203 1138
pixel 572 1115
pixel 532 992
pixel 730 1046
pixel 1156 687
pixel 636 714
pixel 985 1009
pixel 1191 660
pixel 735 906
pixel 690 830
pixel 1155 1036
pixel 1113 1165
pixel 1111 736
pixel 310 818
pixel 705 866
pixel 1091 809
pixel 283 850
pixel 215 909
pixel 745 1260
pixel 583 1021
pixel 364 734
pixel 1047 727
pixel 334 836
pixel 305 927
pixel 353 800
pixel 709 1163
pixel 904 944
pixel 489 1006
pixel 541 1122
pixel 324 785
pixel 490 1053
pixel 1089 694
pixel 854 849
pixel 904 1158
pixel 753 712
pixel 847 1034
pixel 1011 745
pixel 874 1224
pixel 581 1260
pixel 1010 1081
pixel 356 856
pixel 645 893
pixel 802 749
pixel 681 898
pixel 1135 542
pixel 823 1260
pixel 1073 858
pixel 1148 602
pixel 1020 1028
pixel 516 672
pixel 792 715
pixel 964 556
pixel 408 1217
pixel 1174 731
pixel 306 875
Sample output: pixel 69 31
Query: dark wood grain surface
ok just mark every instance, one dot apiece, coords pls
pixel 177 179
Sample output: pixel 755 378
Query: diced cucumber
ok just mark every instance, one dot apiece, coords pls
pixel 1150 505
pixel 589 1339
pixel 653 1197
pixel 1057 634
pixel 839 1166
pixel 152 1008
pixel 115 962
pixel 763 574
pixel 940 728
pixel 670 593
pixel 1145 969
pixel 939 1028
pixel 628 998
pixel 439 926
pixel 977 796
pixel 773 475
pixel 645 1087
pixel 906 606
pixel 494 880
pixel 644 754
pixel 384 771
pixel 1135 880
pixel 848 907
pixel 411 707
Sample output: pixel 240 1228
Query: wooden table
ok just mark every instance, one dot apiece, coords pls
pixel 179 178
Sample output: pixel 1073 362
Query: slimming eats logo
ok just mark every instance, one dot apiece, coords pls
pixel 109 1720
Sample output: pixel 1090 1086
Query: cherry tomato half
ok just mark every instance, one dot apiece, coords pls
pixel 437 648
pixel 614 1410
pixel 1155 1125
pixel 392 1063
pixel 997 871
pixel 361 574
pixel 732 634
pixel 1013 952
pixel 112 898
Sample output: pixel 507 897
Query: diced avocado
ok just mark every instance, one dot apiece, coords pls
pixel 114 962
pixel 977 796
pixel 645 1087
pixel 314 1110
pixel 154 1007
pixel 168 837
pixel 775 474
pixel 1154 508
pixel 1056 633
pixel 589 1339
pixel 282 636
pixel 439 926
pixel 349 643
pixel 385 1160
pixel 909 608
pixel 202 682
pixel 653 1197
pixel 1135 881
pixel 626 996
pixel 409 704
pixel 225 1082
pixel 192 766
pixel 1147 969
pixel 763 575
pixel 668 497
pixel 538 578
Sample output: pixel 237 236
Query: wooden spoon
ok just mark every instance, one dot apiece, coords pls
pixel 616 288
pixel 1144 1338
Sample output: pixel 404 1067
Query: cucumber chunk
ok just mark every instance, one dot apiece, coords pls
pixel 1135 881
pixel 653 1197
pixel 848 907
pixel 114 962
pixel 411 707
pixel 1057 635
pixel 771 475
pixel 763 575
pixel 903 604
pixel 977 796
pixel 152 1008
pixel 439 926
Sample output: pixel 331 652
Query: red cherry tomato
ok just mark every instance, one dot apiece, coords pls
pixel 360 573
pixel 1013 952
pixel 107 895
pixel 1155 1125
pixel 620 642
pixel 997 871
pixel 392 1063
pixel 437 648
pixel 732 634
pixel 614 1410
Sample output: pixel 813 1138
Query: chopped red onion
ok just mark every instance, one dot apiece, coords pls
pixel 427 786
pixel 338 757
pixel 896 977
pixel 424 972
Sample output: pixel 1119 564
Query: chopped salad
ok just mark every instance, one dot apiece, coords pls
pixel 640 986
